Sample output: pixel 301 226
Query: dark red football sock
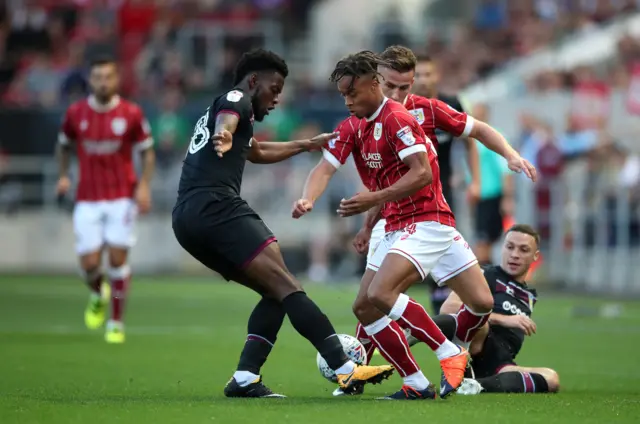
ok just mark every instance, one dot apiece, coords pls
pixel 411 315
pixel 389 338
pixel 120 279
pixel 469 323
pixel 369 347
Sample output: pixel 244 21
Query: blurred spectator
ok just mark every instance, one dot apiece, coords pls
pixel 171 130
pixel 74 84
pixel 577 141
pixel 496 195
pixel 282 121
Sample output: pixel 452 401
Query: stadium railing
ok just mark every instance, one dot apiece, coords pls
pixel 203 44
pixel 591 229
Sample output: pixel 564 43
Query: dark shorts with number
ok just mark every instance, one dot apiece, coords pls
pixel 489 220
pixel 220 230
pixel 496 354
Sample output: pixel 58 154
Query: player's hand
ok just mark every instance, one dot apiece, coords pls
pixel 63 186
pixel 506 206
pixel 301 207
pixel 523 323
pixel 517 164
pixel 143 198
pixel 361 240
pixel 358 204
pixel 319 141
pixel 222 142
pixel 473 193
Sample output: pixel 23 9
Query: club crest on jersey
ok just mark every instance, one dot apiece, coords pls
pixel 118 126
pixel 332 142
pixel 84 124
pixel 377 131
pixel 234 96
pixel 406 135
pixel 418 114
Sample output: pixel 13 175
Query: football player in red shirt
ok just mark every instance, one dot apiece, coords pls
pixel 398 164
pixel 104 131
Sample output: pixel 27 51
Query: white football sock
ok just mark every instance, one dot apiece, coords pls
pixel 244 378
pixel 416 380
pixel 447 350
pixel 347 368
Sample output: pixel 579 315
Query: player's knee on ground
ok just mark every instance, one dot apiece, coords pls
pixel 552 378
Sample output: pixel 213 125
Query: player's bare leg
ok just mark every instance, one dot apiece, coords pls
pixel 514 379
pixel 94 315
pixel 386 293
pixel 473 290
pixel 120 278
pixel 269 270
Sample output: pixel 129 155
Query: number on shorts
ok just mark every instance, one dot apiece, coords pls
pixel 201 134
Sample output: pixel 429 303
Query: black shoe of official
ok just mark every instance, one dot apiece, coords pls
pixel 253 390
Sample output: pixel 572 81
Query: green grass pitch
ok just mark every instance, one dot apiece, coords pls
pixel 184 338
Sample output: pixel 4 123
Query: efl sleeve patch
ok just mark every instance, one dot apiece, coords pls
pixel 234 96
pixel 406 135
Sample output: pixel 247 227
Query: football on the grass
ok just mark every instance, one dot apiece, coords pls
pixel 354 350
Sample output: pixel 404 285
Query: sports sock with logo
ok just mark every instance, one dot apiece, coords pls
pixel 468 324
pixel 120 279
pixel 369 347
pixel 514 382
pixel 262 331
pixel 390 340
pixel 411 315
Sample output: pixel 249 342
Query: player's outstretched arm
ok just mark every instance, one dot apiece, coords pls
pixel 316 184
pixel 491 138
pixel 276 151
pixel 473 161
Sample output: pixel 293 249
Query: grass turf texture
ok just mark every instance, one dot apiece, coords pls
pixel 184 339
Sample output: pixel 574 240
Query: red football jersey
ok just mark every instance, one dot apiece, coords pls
pixel 379 144
pixel 104 137
pixel 434 113
pixel 339 149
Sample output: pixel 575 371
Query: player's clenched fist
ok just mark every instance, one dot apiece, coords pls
pixel 301 207
pixel 361 240
pixel 64 183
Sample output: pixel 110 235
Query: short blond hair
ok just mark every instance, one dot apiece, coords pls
pixel 400 58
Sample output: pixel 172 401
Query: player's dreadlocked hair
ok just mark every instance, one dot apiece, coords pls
pixel 400 58
pixel 258 60
pixel 357 65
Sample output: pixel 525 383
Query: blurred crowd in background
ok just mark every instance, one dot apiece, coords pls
pixel 168 64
